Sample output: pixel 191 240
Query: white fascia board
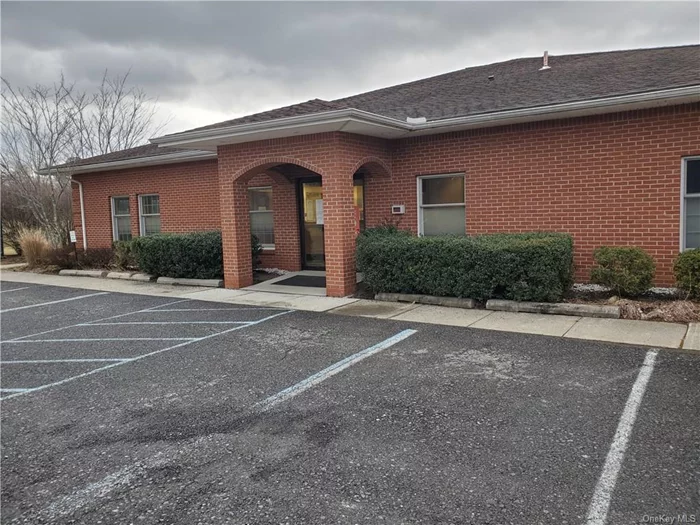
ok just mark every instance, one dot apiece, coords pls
pixel 685 95
pixel 325 121
pixel 169 158
pixel 365 123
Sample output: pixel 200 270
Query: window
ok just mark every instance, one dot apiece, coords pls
pixel 121 219
pixel 441 205
pixel 261 223
pixel 691 203
pixel 149 214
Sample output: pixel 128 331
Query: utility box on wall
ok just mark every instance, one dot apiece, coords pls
pixel 398 209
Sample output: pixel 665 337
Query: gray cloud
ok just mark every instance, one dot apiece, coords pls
pixel 217 60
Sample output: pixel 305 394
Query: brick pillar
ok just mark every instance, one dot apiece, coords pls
pixel 235 232
pixel 286 224
pixel 339 234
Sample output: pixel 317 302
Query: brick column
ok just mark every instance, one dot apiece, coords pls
pixel 235 232
pixel 339 234
pixel 286 224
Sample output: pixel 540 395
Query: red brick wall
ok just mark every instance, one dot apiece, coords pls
pixel 189 198
pixel 610 179
pixel 607 180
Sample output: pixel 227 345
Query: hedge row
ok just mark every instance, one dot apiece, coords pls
pixel 522 267
pixel 196 255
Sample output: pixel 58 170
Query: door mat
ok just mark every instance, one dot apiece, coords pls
pixel 313 281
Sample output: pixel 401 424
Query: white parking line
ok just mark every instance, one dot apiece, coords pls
pixel 217 309
pixel 15 289
pixel 19 390
pixel 82 340
pixel 169 304
pixel 600 503
pixel 95 321
pixel 163 322
pixel 143 356
pixel 332 370
pixel 44 361
pixel 52 302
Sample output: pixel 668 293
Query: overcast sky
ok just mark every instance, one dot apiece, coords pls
pixel 207 62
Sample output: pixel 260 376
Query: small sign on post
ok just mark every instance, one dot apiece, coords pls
pixel 73 240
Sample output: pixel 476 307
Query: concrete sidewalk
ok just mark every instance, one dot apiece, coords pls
pixel 647 333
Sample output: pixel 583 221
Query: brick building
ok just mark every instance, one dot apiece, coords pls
pixel 604 146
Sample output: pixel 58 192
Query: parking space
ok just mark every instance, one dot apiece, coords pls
pixel 39 360
pixel 155 410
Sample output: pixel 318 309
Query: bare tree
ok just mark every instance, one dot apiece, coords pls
pixel 43 127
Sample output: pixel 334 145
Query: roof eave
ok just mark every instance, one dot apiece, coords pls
pixel 154 160
pixel 366 123
pixel 348 120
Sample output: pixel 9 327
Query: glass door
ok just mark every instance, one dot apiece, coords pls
pixel 313 254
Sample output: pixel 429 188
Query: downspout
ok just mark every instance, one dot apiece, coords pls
pixel 82 212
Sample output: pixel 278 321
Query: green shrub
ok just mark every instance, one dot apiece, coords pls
pixel 627 270
pixel 523 267
pixel 256 249
pixel 124 258
pixel 686 268
pixel 195 255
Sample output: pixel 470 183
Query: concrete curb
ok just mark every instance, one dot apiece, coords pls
pixel 453 302
pixel 145 277
pixel 209 283
pixel 578 310
pixel 84 273
pixel 119 275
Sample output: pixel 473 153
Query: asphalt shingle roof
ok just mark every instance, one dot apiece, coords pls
pixel 147 150
pixel 516 84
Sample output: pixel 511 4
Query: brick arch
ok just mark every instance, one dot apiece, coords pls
pixel 265 164
pixel 384 168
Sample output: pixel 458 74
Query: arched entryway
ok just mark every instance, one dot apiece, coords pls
pixel 320 207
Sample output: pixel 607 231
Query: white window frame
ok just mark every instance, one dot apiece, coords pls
pixel 250 188
pixel 115 236
pixel 684 196
pixel 142 226
pixel 419 200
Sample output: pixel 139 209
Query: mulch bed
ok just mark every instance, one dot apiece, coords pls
pixel 649 307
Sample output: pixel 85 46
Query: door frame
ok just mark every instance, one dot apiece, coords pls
pixel 300 219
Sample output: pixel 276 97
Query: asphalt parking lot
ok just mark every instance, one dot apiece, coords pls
pixel 136 409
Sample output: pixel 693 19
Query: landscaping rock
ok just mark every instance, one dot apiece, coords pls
pixel 210 283
pixel 581 310
pixel 119 275
pixel 454 302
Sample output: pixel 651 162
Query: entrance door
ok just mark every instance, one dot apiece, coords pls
pixel 313 255
pixel 311 206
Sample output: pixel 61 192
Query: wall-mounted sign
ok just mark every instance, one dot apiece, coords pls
pixel 319 211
